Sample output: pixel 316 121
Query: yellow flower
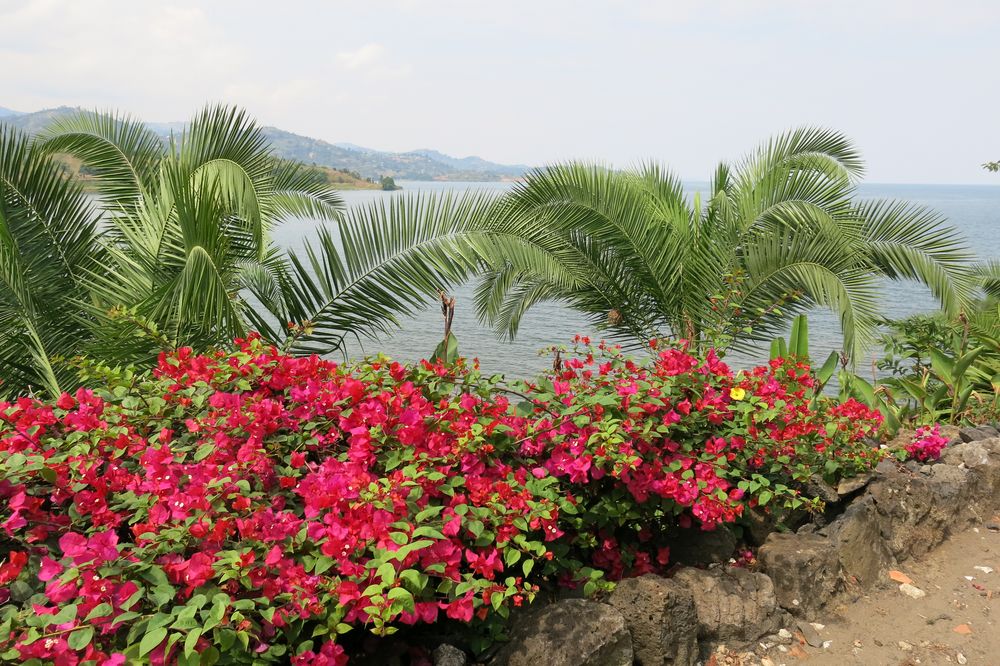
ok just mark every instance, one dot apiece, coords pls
pixel 737 393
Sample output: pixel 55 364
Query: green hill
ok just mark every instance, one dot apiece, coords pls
pixel 364 163
pixel 342 179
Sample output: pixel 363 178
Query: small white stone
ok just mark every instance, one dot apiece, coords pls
pixel 969 577
pixel 827 644
pixel 817 626
pixel 782 648
pixel 985 570
pixel 784 633
pixel 961 658
pixel 903 645
pixel 795 602
pixel 912 591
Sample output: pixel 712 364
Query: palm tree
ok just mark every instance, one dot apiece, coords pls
pixel 177 251
pixel 48 244
pixel 778 233
pixel 187 222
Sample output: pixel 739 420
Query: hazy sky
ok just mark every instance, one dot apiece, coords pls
pixel 915 83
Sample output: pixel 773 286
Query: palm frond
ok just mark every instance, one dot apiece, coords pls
pixel 986 276
pixel 47 244
pixel 912 242
pixel 123 153
pixel 298 193
pixel 824 272
pixel 385 259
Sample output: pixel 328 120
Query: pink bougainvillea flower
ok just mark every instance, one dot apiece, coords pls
pixel 11 567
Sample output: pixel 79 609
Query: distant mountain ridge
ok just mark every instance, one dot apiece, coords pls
pixel 422 164
pixel 472 163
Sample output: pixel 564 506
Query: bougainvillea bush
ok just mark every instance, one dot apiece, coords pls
pixel 927 444
pixel 251 507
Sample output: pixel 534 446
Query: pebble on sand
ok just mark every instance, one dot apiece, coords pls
pixel 912 591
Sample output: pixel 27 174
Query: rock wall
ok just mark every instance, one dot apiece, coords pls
pixel 903 512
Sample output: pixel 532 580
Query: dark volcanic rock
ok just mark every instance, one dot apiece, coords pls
pixel 922 510
pixel 448 655
pixel 804 568
pixel 661 616
pixel 857 538
pixel 817 487
pixel 971 454
pixel 853 484
pixel 809 569
pixel 971 434
pixel 573 632
pixel 734 605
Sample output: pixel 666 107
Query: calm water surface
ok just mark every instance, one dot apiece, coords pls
pixel 974 210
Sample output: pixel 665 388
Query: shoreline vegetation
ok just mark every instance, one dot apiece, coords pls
pixel 344 179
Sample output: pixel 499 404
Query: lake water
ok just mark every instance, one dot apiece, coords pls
pixel 974 210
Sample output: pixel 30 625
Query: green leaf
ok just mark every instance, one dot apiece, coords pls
pixel 943 366
pixel 15 461
pixel 80 638
pixel 429 512
pixel 209 656
pixel 405 551
pixel 475 527
pixel 204 451
pixel 824 374
pixel 447 350
pixel 403 596
pixel 151 640
pixel 414 579
pixel 863 391
pixel 100 610
pixel 428 531
pixel 963 363
pixel 65 614
pixel 215 615
pixel 226 638
pixel 387 572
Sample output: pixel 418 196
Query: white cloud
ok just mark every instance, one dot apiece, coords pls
pixel 366 56
pixel 146 58
pixel 913 81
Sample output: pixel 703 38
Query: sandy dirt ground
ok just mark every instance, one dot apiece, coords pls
pixel 951 617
